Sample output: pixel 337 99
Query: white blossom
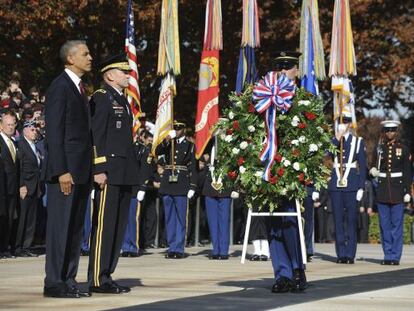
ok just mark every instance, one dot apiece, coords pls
pixel 313 148
pixel 295 121
pixel 295 142
pixel 231 115
pixel 304 103
pixel 283 191
pixel 258 174
pixel 251 128
pixel 286 163
pixel 296 166
pixel 222 136
pixel 320 130
pixel 239 103
pixel 302 139
pixel 235 150
pixel 228 138
pixel 242 169
pixel 243 145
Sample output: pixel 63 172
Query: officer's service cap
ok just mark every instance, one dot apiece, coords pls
pixel 346 115
pixel 29 123
pixel 178 125
pixel 390 123
pixel 286 60
pixel 118 61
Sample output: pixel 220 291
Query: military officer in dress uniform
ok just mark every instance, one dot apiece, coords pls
pixel 178 185
pixel 115 172
pixel 393 171
pixel 346 187
pixel 283 232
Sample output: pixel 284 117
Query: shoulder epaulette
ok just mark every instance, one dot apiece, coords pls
pixel 99 91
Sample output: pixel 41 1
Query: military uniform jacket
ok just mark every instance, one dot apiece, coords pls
pixel 394 180
pixel 357 172
pixel 112 137
pixel 206 185
pixel 146 165
pixel 186 167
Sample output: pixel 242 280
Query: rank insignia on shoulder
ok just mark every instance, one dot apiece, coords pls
pixel 100 91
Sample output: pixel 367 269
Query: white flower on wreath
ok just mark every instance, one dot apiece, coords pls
pixel 242 169
pixel 223 136
pixel 295 142
pixel 231 115
pixel 304 103
pixel 286 162
pixel 235 151
pixel 251 128
pixel 302 139
pixel 296 166
pixel 320 130
pixel 243 145
pixel 239 103
pixel 295 121
pixel 283 191
pixel 228 138
pixel 313 147
pixel 258 174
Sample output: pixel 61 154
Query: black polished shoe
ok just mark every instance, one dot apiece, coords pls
pixel 178 255
pixel 386 262
pixel 299 281
pixel 133 254
pixel 30 254
pixel 214 257
pixel 309 257
pixel 124 254
pixel 342 260
pixel 255 257
pixel 223 257
pixel 54 292
pixel 395 263
pixel 80 292
pixel 264 258
pixel 8 255
pixel 170 255
pixel 350 261
pixel 20 253
pixel 122 289
pixel 107 288
pixel 282 285
pixel 84 252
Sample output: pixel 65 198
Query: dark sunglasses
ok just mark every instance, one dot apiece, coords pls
pixel 389 129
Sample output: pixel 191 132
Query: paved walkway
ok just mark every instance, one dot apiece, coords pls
pixel 196 283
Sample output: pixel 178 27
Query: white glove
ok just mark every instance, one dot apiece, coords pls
pixel 93 194
pixel 140 195
pixel 374 172
pixel 315 196
pixel 359 195
pixel 190 193
pixel 172 134
pixel 234 195
pixel 407 198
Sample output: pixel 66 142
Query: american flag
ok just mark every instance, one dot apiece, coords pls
pixel 133 94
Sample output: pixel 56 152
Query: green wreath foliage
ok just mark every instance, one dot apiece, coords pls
pixel 304 138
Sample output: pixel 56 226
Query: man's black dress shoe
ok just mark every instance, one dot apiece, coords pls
pixel 84 252
pixel 350 261
pixel 133 254
pixel 8 255
pixel 299 281
pixel 223 257
pixel 122 289
pixel 214 257
pixel 342 260
pixel 107 288
pixel 170 255
pixel 20 253
pixel 264 258
pixel 56 292
pixel 395 263
pixel 178 255
pixel 386 262
pixel 30 254
pixel 124 254
pixel 80 292
pixel 255 257
pixel 282 285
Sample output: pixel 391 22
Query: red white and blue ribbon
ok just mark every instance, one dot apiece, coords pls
pixel 273 93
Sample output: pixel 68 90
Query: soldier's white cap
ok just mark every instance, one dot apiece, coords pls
pixel 390 123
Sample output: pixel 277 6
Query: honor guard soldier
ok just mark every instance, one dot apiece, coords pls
pixel 283 232
pixel 346 188
pixel 115 172
pixel 393 170
pixel 178 185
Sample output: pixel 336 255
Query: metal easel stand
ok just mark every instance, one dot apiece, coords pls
pixel 277 214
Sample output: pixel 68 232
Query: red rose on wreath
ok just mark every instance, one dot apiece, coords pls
pixel 240 162
pixel 251 108
pixel 310 115
pixel 278 157
pixel 229 131
pixel 301 177
pixel 273 180
pixel 236 125
pixel 302 125
pixel 280 172
pixel 232 174
pixel 295 153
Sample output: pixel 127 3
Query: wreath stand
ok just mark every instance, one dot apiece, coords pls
pixel 300 228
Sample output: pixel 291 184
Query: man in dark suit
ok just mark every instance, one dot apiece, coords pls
pixel 8 219
pixel 68 170
pixel 115 172
pixel 30 189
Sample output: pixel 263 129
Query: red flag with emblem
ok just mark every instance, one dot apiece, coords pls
pixel 207 105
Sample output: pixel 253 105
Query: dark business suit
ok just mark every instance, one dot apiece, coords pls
pixel 30 168
pixel 8 222
pixel 69 149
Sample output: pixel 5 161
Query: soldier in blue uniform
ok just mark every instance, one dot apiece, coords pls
pixel 393 170
pixel 283 232
pixel 115 172
pixel 178 185
pixel 346 188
